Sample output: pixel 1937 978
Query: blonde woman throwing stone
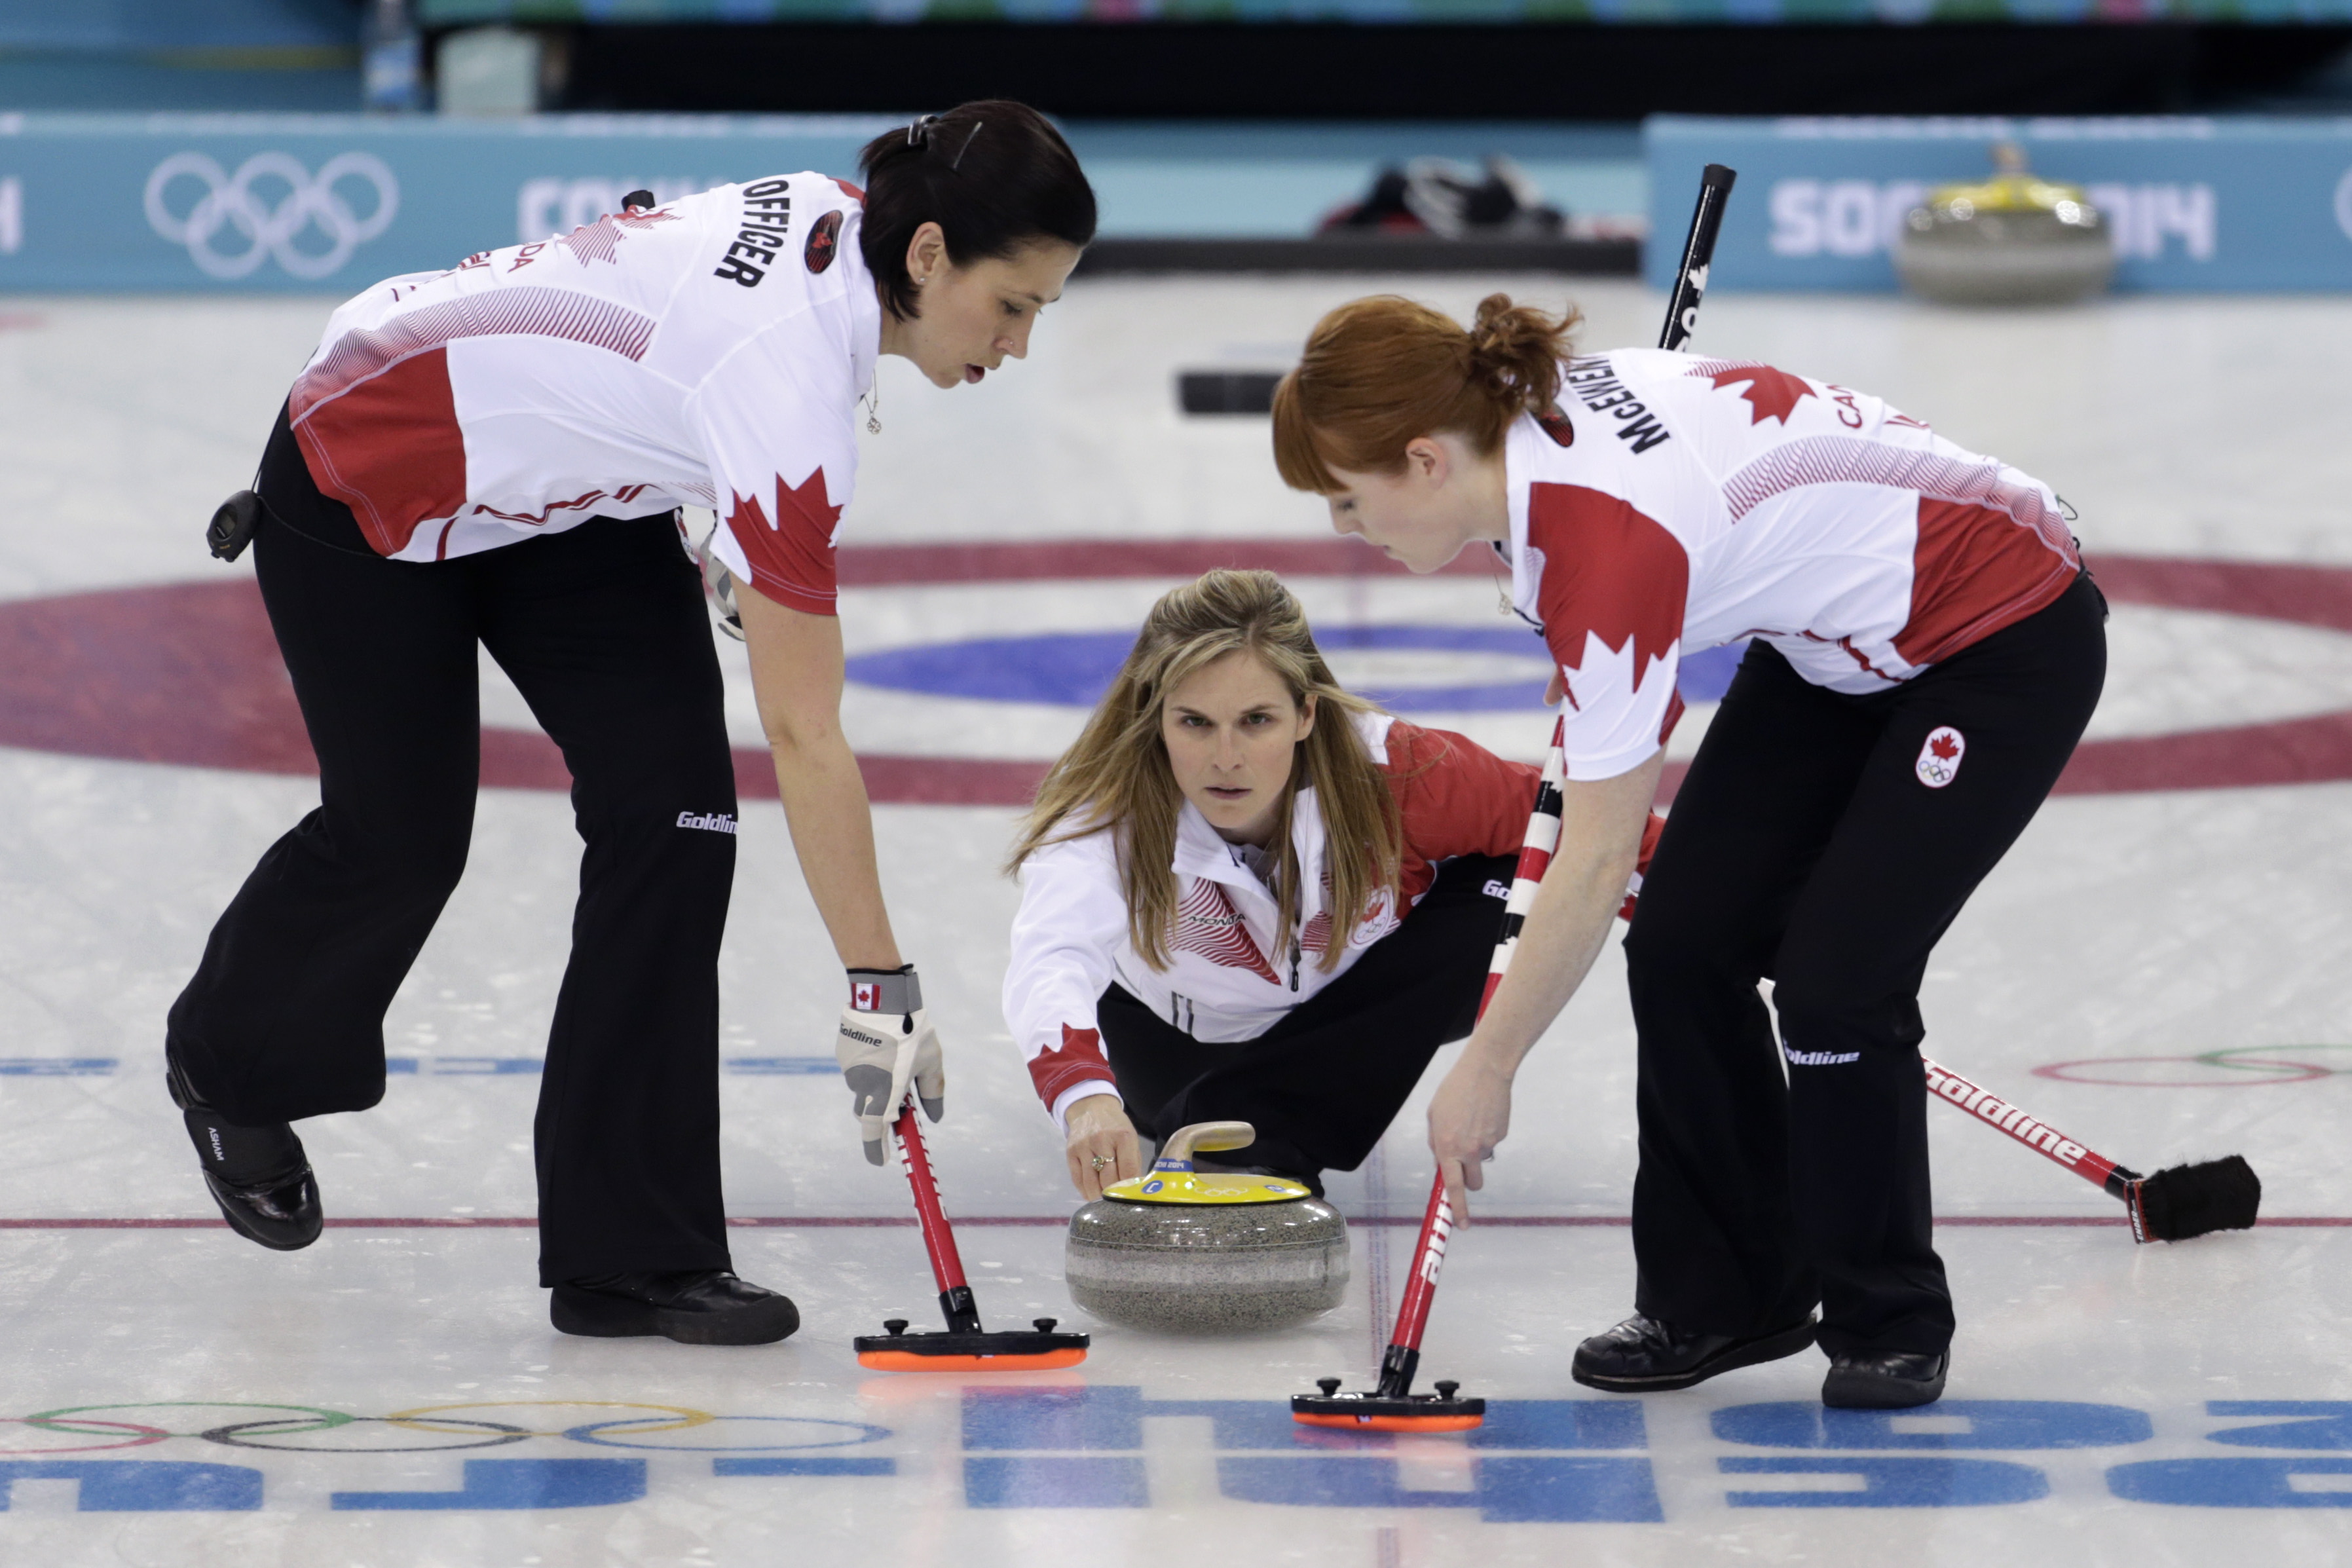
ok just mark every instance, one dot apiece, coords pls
pixel 1248 895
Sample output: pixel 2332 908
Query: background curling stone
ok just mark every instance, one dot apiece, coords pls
pixel 2013 239
pixel 1207 1252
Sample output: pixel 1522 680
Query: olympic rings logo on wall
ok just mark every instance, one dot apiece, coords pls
pixel 2239 1066
pixel 427 1429
pixel 233 226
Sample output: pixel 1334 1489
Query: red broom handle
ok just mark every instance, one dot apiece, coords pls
pixel 937 1239
pixel 2044 1140
pixel 1535 851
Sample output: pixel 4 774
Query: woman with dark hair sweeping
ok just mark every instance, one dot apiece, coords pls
pixel 495 455
pixel 1247 895
pixel 1927 650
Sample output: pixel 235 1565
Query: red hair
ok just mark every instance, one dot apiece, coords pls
pixel 1381 371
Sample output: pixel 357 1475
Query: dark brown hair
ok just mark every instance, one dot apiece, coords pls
pixel 1380 371
pixel 993 174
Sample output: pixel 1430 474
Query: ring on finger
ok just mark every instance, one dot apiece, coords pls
pixel 1100 1161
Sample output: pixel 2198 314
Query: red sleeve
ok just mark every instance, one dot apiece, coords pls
pixel 1455 797
pixel 1075 1061
pixel 1615 588
pixel 1609 573
pixel 790 553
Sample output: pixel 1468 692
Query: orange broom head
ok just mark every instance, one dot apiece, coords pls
pixel 1041 1348
pixel 907 1361
pixel 1361 1423
pixel 1440 1412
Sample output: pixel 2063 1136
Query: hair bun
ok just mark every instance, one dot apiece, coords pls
pixel 1515 352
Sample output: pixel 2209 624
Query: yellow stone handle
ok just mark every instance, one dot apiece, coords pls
pixel 1208 1137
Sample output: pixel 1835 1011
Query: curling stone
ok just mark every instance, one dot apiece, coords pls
pixel 2013 239
pixel 1206 1252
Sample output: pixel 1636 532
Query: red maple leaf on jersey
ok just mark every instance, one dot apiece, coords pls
pixel 807 502
pixel 1075 1061
pixel 1610 573
pixel 1773 394
pixel 1945 747
pixel 601 240
pixel 790 553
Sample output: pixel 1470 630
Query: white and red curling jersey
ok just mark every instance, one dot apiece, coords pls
pixel 1225 981
pixel 1672 503
pixel 708 351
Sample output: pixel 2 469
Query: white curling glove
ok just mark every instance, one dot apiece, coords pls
pixel 886 1043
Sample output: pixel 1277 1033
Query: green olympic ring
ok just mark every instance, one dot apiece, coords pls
pixel 589 1434
pixel 2227 1059
pixel 50 1420
pixel 237 1436
pixel 2263 1063
pixel 141 1436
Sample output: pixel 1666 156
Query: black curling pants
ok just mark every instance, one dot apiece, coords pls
pixel 1321 1085
pixel 1805 848
pixel 603 628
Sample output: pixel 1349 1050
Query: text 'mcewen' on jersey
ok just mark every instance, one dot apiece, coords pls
pixel 1675 503
pixel 708 351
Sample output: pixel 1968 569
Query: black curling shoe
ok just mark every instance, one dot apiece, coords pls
pixel 699 1307
pixel 1890 1380
pixel 259 1175
pixel 1642 1355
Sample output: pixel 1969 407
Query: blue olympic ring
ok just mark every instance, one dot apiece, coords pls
pixel 588 1433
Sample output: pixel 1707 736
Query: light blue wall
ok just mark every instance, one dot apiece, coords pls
pixel 2206 204
pixel 235 202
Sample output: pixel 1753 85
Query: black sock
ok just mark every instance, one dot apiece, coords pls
pixel 244 1156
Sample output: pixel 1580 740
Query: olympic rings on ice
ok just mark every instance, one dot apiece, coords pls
pixel 292 1428
pixel 266 230
pixel 2239 1066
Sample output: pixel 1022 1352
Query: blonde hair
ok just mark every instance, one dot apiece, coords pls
pixel 1118 777
pixel 1381 371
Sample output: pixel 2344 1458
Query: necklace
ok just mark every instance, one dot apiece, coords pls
pixel 873 401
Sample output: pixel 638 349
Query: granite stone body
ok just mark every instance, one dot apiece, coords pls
pixel 1207 1269
pixel 1959 254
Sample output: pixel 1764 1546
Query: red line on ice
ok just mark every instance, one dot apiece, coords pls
pixel 188 673
pixel 873 1222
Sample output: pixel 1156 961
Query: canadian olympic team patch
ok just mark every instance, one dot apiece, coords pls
pixel 823 240
pixel 1939 756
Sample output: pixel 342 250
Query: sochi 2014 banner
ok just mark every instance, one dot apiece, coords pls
pixel 275 201
pixel 2237 205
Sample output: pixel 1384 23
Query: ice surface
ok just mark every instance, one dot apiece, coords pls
pixel 2105 1389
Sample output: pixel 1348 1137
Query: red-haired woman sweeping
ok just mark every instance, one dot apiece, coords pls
pixel 1926 652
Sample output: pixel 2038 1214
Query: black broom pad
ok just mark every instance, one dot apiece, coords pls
pixel 2183 1201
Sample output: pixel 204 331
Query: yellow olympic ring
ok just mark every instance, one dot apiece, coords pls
pixel 414 1418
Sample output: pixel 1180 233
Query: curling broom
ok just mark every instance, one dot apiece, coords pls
pixel 1392 1406
pixel 964 1345
pixel 2173 1204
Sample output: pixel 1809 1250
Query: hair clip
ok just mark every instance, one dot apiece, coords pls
pixel 957 162
pixel 919 129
